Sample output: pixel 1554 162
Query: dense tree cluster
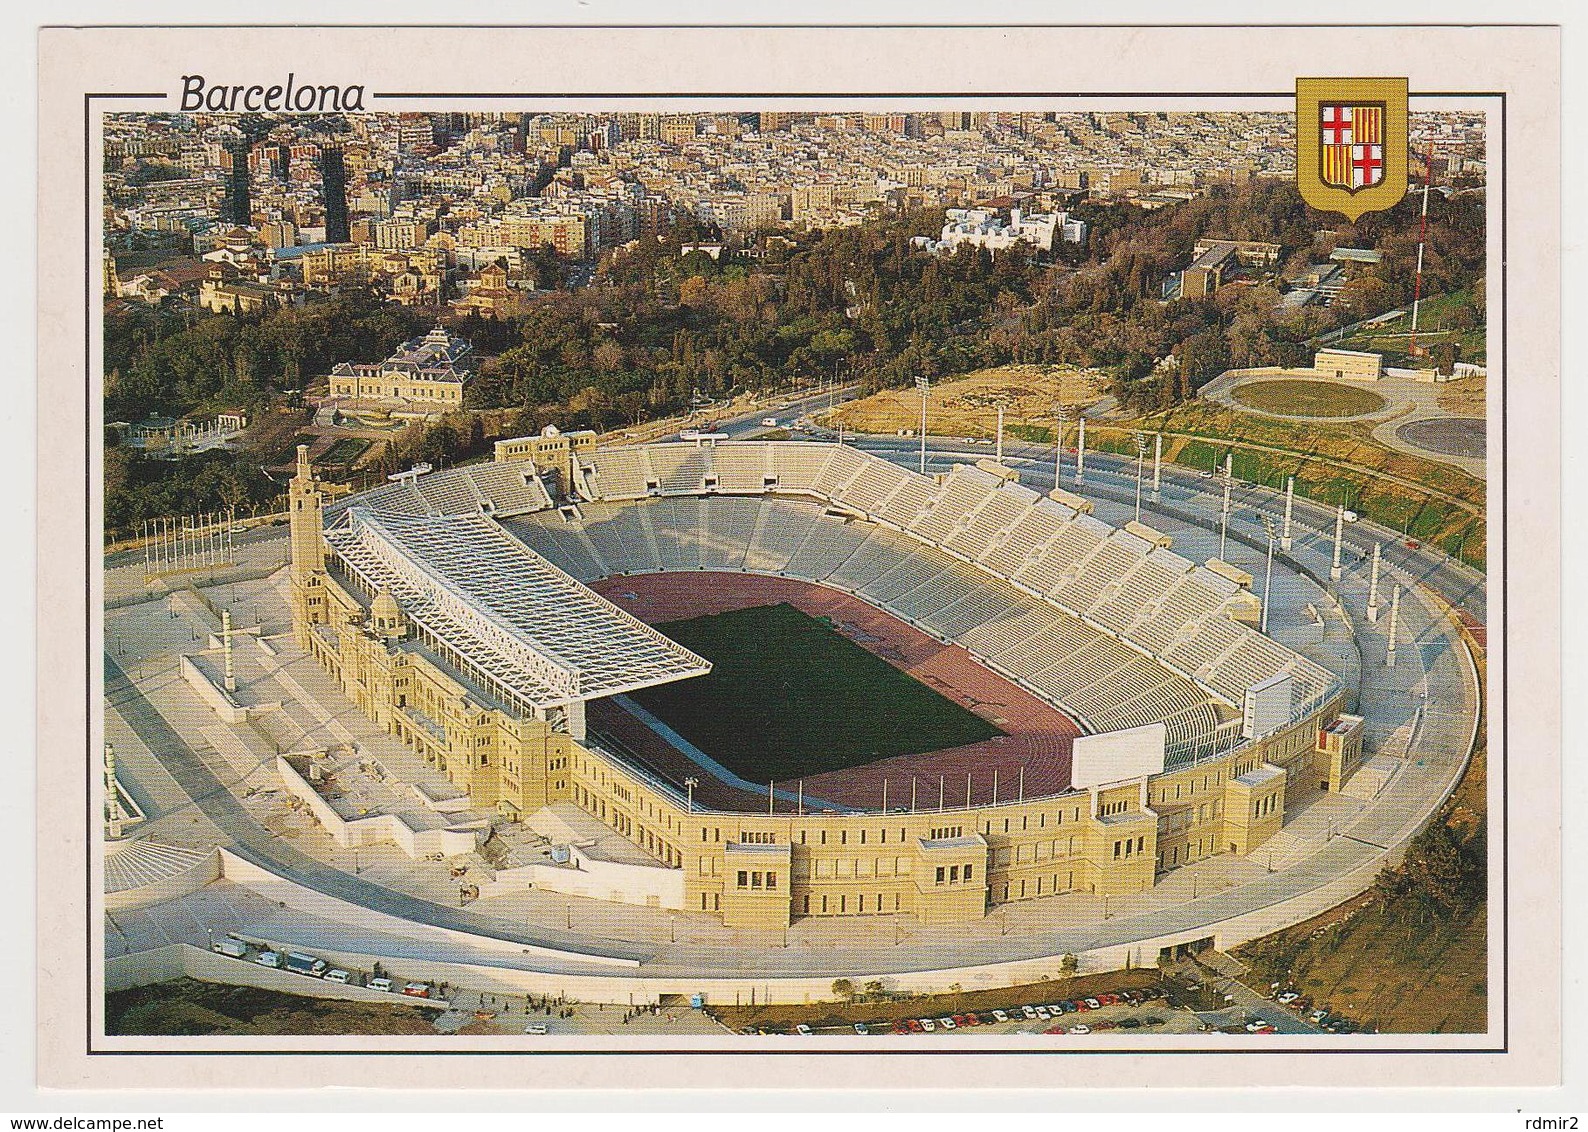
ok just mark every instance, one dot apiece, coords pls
pixel 1444 874
pixel 657 324
pixel 138 489
pixel 171 362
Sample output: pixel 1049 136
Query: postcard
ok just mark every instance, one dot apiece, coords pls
pixel 721 557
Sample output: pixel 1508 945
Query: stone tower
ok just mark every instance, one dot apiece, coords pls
pixel 305 503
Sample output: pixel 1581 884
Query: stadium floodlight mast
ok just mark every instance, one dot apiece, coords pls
pixel 689 786
pixel 1224 512
pixel 1141 456
pixel 1268 571
pixel 1062 414
pixel 924 384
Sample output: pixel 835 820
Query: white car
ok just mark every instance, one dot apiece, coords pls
pixel 928 1025
pixel 947 1023
pixel 1042 1013
pixel 802 1029
pixel 1287 997
pixel 268 959
pixel 535 1028
pixel 380 985
pixel 337 975
pixel 1079 1028
pixel 1028 1012
pixel 1000 1015
pixel 1350 516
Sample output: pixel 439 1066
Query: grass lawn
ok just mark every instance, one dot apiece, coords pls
pixel 345 450
pixel 790 696
pixel 1308 398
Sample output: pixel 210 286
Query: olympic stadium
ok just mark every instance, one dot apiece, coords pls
pixel 1108 712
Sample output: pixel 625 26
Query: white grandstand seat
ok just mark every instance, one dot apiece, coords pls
pixel 840 471
pixel 620 473
pixel 905 505
pixel 827 547
pixel 799 465
pixel 977 607
pixel 740 467
pixel 779 535
pixel 680 469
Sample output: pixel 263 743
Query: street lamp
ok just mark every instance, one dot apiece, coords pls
pixel 689 785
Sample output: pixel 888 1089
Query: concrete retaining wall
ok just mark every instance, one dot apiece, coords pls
pixel 379 828
pixel 332 908
pixel 610 881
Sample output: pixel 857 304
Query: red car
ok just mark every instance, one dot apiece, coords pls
pixel 1057 1029
pixel 915 1025
pixel 901 1027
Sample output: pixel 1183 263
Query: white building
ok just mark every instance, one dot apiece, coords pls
pixel 984 228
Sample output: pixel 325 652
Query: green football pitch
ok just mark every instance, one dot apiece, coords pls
pixel 789 696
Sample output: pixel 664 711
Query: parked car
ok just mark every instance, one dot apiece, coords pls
pixel 1056 1028
pixel 928 1025
pixel 337 975
pixel 268 959
pixel 1093 1004
pixel 861 1029
pixel 914 1025
pixel 1000 1016
pixel 987 1019
pixel 416 990
pixel 380 985
pixel 802 1029
pixel 946 1023
pixel 1080 1028
pixel 1130 1023
pixel 1256 1024
pixel 1287 997
pixel 1105 1024
pixel 535 1028
pixel 1030 1013
pixel 235 948
pixel 1042 1013
pixel 1079 1004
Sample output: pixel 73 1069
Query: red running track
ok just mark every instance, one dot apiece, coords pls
pixel 1037 736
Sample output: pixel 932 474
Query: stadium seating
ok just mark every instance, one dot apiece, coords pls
pixel 1114 629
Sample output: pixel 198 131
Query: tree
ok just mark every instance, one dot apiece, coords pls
pixel 1444 356
pixel 844 989
pixel 1069 965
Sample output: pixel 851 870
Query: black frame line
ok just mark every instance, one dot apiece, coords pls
pixel 1503 589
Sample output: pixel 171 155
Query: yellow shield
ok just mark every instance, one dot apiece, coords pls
pixel 1351 144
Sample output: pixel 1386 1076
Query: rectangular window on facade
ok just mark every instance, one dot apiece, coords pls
pixel 967 871
pixel 744 879
pixel 771 880
pixel 940 874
